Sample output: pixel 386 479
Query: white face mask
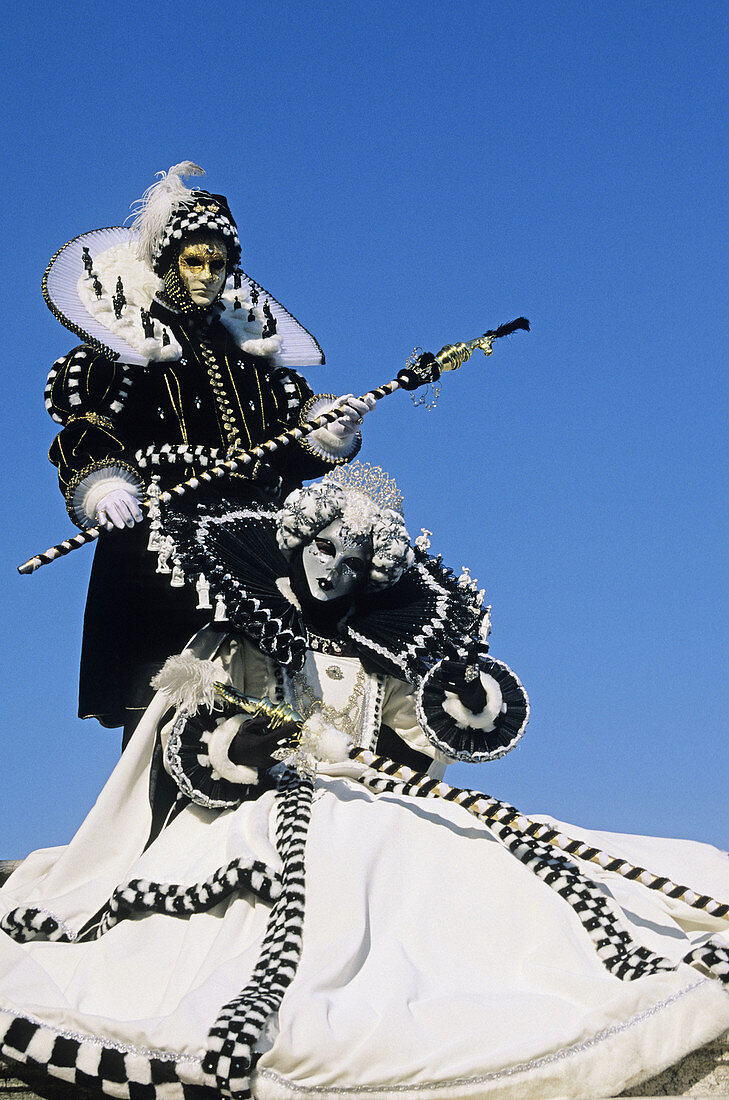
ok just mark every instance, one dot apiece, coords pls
pixel 336 566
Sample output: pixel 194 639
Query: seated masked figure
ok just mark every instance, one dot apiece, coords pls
pixel 336 622
pixel 186 360
pixel 307 916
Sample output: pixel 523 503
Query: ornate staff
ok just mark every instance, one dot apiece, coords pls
pixel 420 371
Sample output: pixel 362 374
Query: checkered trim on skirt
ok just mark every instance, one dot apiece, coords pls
pixel 98 1066
pixel 232 1038
pixel 712 957
pixel 140 896
pixel 117 1070
pixel 615 948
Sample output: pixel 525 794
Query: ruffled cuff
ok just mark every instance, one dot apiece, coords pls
pixel 197 758
pixel 88 487
pixel 456 731
pixel 322 443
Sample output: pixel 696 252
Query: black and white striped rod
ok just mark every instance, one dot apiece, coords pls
pixel 422 373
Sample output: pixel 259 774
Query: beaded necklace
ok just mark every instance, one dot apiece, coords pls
pixel 308 704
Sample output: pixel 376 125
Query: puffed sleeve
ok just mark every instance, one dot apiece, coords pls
pixel 85 393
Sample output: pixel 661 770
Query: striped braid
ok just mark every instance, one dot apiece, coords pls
pixel 140 896
pixel 617 952
pixel 48 392
pixel 491 810
pixel 232 1038
pixel 713 957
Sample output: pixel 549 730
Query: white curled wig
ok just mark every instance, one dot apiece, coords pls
pixel 307 511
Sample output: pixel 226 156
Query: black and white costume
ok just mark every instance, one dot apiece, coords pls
pixel 162 388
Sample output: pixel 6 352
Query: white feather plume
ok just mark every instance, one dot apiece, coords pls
pixel 159 202
pixel 189 682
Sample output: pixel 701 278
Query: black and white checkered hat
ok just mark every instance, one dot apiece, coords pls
pixel 207 214
pixel 169 211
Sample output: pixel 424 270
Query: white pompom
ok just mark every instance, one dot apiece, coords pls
pixel 323 740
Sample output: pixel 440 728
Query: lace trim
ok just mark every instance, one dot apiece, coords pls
pixel 327 448
pixel 74 492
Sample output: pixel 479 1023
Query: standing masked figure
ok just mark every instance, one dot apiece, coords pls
pixel 186 359
pixel 298 923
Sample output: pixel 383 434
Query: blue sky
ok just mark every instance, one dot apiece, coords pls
pixel 412 175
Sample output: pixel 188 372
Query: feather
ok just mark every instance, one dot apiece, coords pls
pixel 188 681
pixel 508 328
pixel 159 202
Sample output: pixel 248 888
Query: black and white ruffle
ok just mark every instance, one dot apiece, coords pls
pixel 188 761
pixel 235 548
pixel 403 630
pixel 469 742
pixel 425 616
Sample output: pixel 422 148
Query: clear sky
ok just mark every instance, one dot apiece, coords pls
pixel 412 174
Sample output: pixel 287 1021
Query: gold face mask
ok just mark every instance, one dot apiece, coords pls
pixel 201 266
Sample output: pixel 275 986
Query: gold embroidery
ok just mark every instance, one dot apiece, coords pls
pixel 93 418
pixel 177 406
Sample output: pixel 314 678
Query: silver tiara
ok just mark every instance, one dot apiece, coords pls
pixel 371 481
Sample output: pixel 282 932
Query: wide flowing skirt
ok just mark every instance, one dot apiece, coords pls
pixel 432 961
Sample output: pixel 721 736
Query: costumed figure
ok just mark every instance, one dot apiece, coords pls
pixel 185 360
pixel 297 906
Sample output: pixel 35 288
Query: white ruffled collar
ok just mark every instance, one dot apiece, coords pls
pixel 84 301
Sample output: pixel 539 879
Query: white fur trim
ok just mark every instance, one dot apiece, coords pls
pixel 245 332
pixel 95 486
pixel 219 742
pixel 140 286
pixel 485 719
pixel 323 740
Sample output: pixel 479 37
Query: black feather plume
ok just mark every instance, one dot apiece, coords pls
pixel 509 327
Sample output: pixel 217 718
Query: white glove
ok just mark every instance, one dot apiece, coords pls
pixel 352 414
pixel 119 508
